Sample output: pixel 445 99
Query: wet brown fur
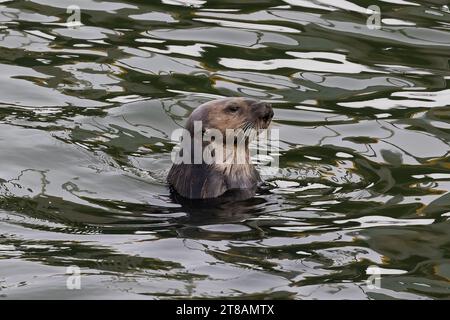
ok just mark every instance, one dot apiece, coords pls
pixel 205 181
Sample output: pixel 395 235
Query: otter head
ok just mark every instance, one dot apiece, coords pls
pixel 232 113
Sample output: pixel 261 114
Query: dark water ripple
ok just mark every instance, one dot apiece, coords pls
pixel 86 117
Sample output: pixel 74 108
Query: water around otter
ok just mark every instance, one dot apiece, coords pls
pixel 85 122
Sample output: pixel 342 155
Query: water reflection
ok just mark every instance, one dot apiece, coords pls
pixel 86 117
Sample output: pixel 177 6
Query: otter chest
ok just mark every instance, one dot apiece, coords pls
pixel 240 176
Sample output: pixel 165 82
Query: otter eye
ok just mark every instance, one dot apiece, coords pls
pixel 233 108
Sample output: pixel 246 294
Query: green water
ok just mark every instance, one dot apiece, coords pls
pixel 86 117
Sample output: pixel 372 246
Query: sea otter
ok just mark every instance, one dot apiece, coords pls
pixel 233 123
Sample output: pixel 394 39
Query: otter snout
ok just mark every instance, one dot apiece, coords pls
pixel 268 113
pixel 264 112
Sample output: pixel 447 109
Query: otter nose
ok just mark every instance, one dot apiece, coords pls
pixel 267 113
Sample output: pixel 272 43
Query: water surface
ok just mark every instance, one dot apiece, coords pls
pixel 86 117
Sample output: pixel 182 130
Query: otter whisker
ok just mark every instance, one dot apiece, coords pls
pixel 246 128
pixel 250 125
pixel 247 125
